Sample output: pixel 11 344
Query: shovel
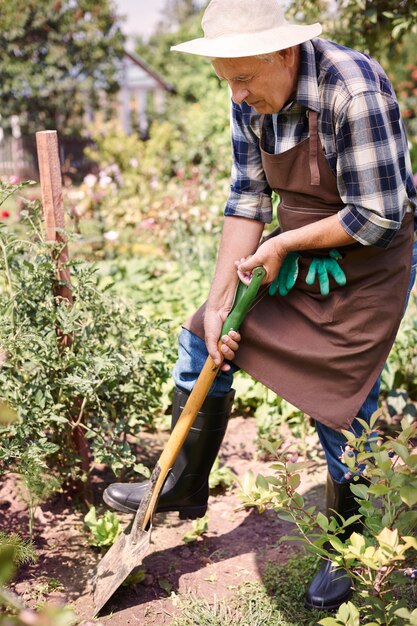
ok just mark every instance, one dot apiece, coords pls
pixel 130 548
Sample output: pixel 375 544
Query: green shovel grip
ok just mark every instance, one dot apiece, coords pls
pixel 244 298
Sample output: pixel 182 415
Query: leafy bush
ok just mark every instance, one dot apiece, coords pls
pixel 377 559
pixel 102 387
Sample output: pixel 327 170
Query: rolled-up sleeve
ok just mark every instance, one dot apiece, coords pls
pixel 372 168
pixel 250 195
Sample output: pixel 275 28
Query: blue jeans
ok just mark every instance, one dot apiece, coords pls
pixel 192 354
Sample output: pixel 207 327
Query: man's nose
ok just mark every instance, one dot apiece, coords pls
pixel 239 94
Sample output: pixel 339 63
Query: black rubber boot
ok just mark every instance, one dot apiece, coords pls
pixel 332 586
pixel 186 487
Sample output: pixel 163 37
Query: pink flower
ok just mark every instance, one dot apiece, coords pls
pixel 14 180
pixel 4 214
pixel 148 224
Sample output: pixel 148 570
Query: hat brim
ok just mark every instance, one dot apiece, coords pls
pixel 250 44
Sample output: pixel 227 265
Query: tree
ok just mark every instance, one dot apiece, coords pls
pixel 199 109
pixel 179 10
pixel 56 56
pixel 376 27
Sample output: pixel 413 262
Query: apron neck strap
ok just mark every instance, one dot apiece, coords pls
pixel 314 143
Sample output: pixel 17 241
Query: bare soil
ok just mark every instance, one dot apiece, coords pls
pixel 235 549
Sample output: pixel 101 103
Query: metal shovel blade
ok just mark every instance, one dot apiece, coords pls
pixel 124 555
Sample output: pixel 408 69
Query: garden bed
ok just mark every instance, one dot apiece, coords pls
pixel 235 549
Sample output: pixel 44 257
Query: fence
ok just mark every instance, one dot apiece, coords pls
pixel 18 158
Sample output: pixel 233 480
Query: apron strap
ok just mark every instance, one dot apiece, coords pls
pixel 314 141
pixel 261 129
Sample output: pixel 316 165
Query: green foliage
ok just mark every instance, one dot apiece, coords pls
pixel 399 386
pixel 387 506
pixel 163 289
pixel 372 26
pixel 272 414
pixel 56 55
pixel 38 482
pixel 104 530
pixel 7 414
pixel 104 383
pixel 23 551
pixel 221 476
pixel 199 528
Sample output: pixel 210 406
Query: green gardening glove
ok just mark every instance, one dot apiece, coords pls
pixel 287 275
pixel 323 267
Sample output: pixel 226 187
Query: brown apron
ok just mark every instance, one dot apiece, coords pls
pixel 323 353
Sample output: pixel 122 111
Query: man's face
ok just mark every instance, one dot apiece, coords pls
pixel 264 85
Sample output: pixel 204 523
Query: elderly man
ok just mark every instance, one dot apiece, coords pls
pixel 318 124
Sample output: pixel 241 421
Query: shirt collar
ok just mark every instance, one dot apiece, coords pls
pixel 307 90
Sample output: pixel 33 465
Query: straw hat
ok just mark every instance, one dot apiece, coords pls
pixel 240 28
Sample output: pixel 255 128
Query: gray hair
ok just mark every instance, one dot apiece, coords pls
pixel 268 57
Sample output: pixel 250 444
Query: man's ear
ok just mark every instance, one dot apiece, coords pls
pixel 289 56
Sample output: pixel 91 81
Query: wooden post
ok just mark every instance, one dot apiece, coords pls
pixel 53 211
pixel 53 205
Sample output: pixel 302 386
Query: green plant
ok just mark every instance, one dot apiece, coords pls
pixel 399 382
pixel 97 390
pixel 200 527
pixel 38 483
pixel 221 476
pixel 388 509
pixel 104 530
pixel 23 551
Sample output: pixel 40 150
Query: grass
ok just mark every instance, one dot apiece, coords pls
pixel 279 601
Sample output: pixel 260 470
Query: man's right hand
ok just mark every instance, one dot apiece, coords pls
pixel 213 322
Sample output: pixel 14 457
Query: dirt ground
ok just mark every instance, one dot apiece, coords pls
pixel 235 549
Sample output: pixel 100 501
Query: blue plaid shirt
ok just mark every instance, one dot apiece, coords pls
pixel 360 130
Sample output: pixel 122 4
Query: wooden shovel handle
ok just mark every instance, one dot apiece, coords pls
pixel 243 300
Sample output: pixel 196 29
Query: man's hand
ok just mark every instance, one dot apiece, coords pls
pixel 213 322
pixel 270 255
pixel 324 266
